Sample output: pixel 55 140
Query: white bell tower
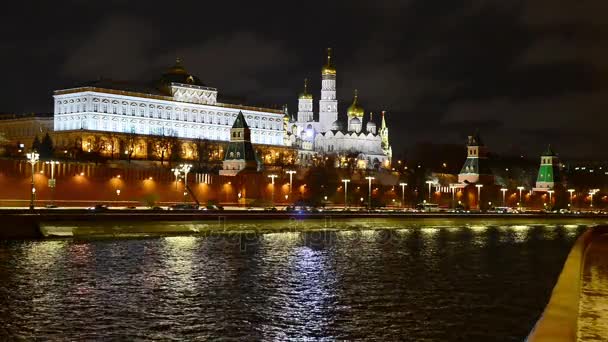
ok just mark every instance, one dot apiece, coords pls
pixel 305 105
pixel 328 104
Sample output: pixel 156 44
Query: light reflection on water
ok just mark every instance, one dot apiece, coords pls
pixel 478 282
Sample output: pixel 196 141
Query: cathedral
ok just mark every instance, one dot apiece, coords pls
pixel 357 138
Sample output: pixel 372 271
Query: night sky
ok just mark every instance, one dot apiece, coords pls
pixel 523 73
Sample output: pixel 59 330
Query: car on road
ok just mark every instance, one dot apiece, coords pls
pixel 213 207
pixel 98 208
pixel 183 206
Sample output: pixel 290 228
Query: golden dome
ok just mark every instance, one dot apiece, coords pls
pixel 305 95
pixel 355 110
pixel 328 68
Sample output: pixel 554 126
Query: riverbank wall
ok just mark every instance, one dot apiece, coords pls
pixel 559 321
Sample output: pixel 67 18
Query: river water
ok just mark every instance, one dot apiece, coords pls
pixel 412 283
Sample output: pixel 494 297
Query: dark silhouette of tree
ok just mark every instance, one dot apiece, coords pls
pixel 128 145
pixel 46 148
pixel 163 145
pixel 113 144
pixel 202 153
pixel 175 151
pixel 36 144
pixel 95 146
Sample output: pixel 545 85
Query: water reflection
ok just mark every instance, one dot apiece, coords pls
pixel 433 282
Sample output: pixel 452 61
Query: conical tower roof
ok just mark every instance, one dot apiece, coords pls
pixel 549 152
pixel 240 122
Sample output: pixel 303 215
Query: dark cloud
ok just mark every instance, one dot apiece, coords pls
pixel 523 72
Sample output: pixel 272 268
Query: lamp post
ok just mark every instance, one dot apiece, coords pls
pixel 176 172
pixel 52 181
pixel 185 168
pixel 291 173
pixel 571 191
pixel 550 197
pixel 272 177
pixel 345 181
pixel 591 193
pixel 32 158
pixel 117 194
pixel 403 185
pixel 430 183
pixel 504 191
pixel 479 186
pixel 520 188
pixel 369 191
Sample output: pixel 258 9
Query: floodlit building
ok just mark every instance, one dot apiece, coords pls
pixel 549 174
pixel 357 137
pixel 177 105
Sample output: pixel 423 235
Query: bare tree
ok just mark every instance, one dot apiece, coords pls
pixel 163 145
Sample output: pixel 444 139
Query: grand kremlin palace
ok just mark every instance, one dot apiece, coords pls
pixel 119 118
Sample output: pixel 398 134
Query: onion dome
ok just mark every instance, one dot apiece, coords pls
pixel 336 125
pixel 305 95
pixel 371 125
pixel 178 74
pixel 355 110
pixel 328 68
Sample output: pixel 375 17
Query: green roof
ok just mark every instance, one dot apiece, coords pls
pixel 240 121
pixel 549 152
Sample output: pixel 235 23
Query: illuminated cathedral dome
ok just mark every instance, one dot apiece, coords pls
pixel 305 95
pixel 328 68
pixel 336 125
pixel 355 110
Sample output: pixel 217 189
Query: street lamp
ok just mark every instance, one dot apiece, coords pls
pixel 185 168
pixel 117 193
pixel 592 192
pixel 52 181
pixel 403 185
pixel 345 181
pixel 550 196
pixel 176 172
pixel 504 191
pixel 479 186
pixel 430 183
pixel 272 177
pixel 291 173
pixel 571 191
pixel 369 191
pixel 32 158
pixel 520 188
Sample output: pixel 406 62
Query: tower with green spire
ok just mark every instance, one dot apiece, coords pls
pixel 548 172
pixel 475 168
pixel 240 154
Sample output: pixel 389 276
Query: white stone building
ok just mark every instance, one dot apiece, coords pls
pixel 329 135
pixel 179 105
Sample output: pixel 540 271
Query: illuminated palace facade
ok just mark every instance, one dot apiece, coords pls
pixel 180 106
pixel 355 137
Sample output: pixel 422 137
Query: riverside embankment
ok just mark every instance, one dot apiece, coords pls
pixel 23 224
